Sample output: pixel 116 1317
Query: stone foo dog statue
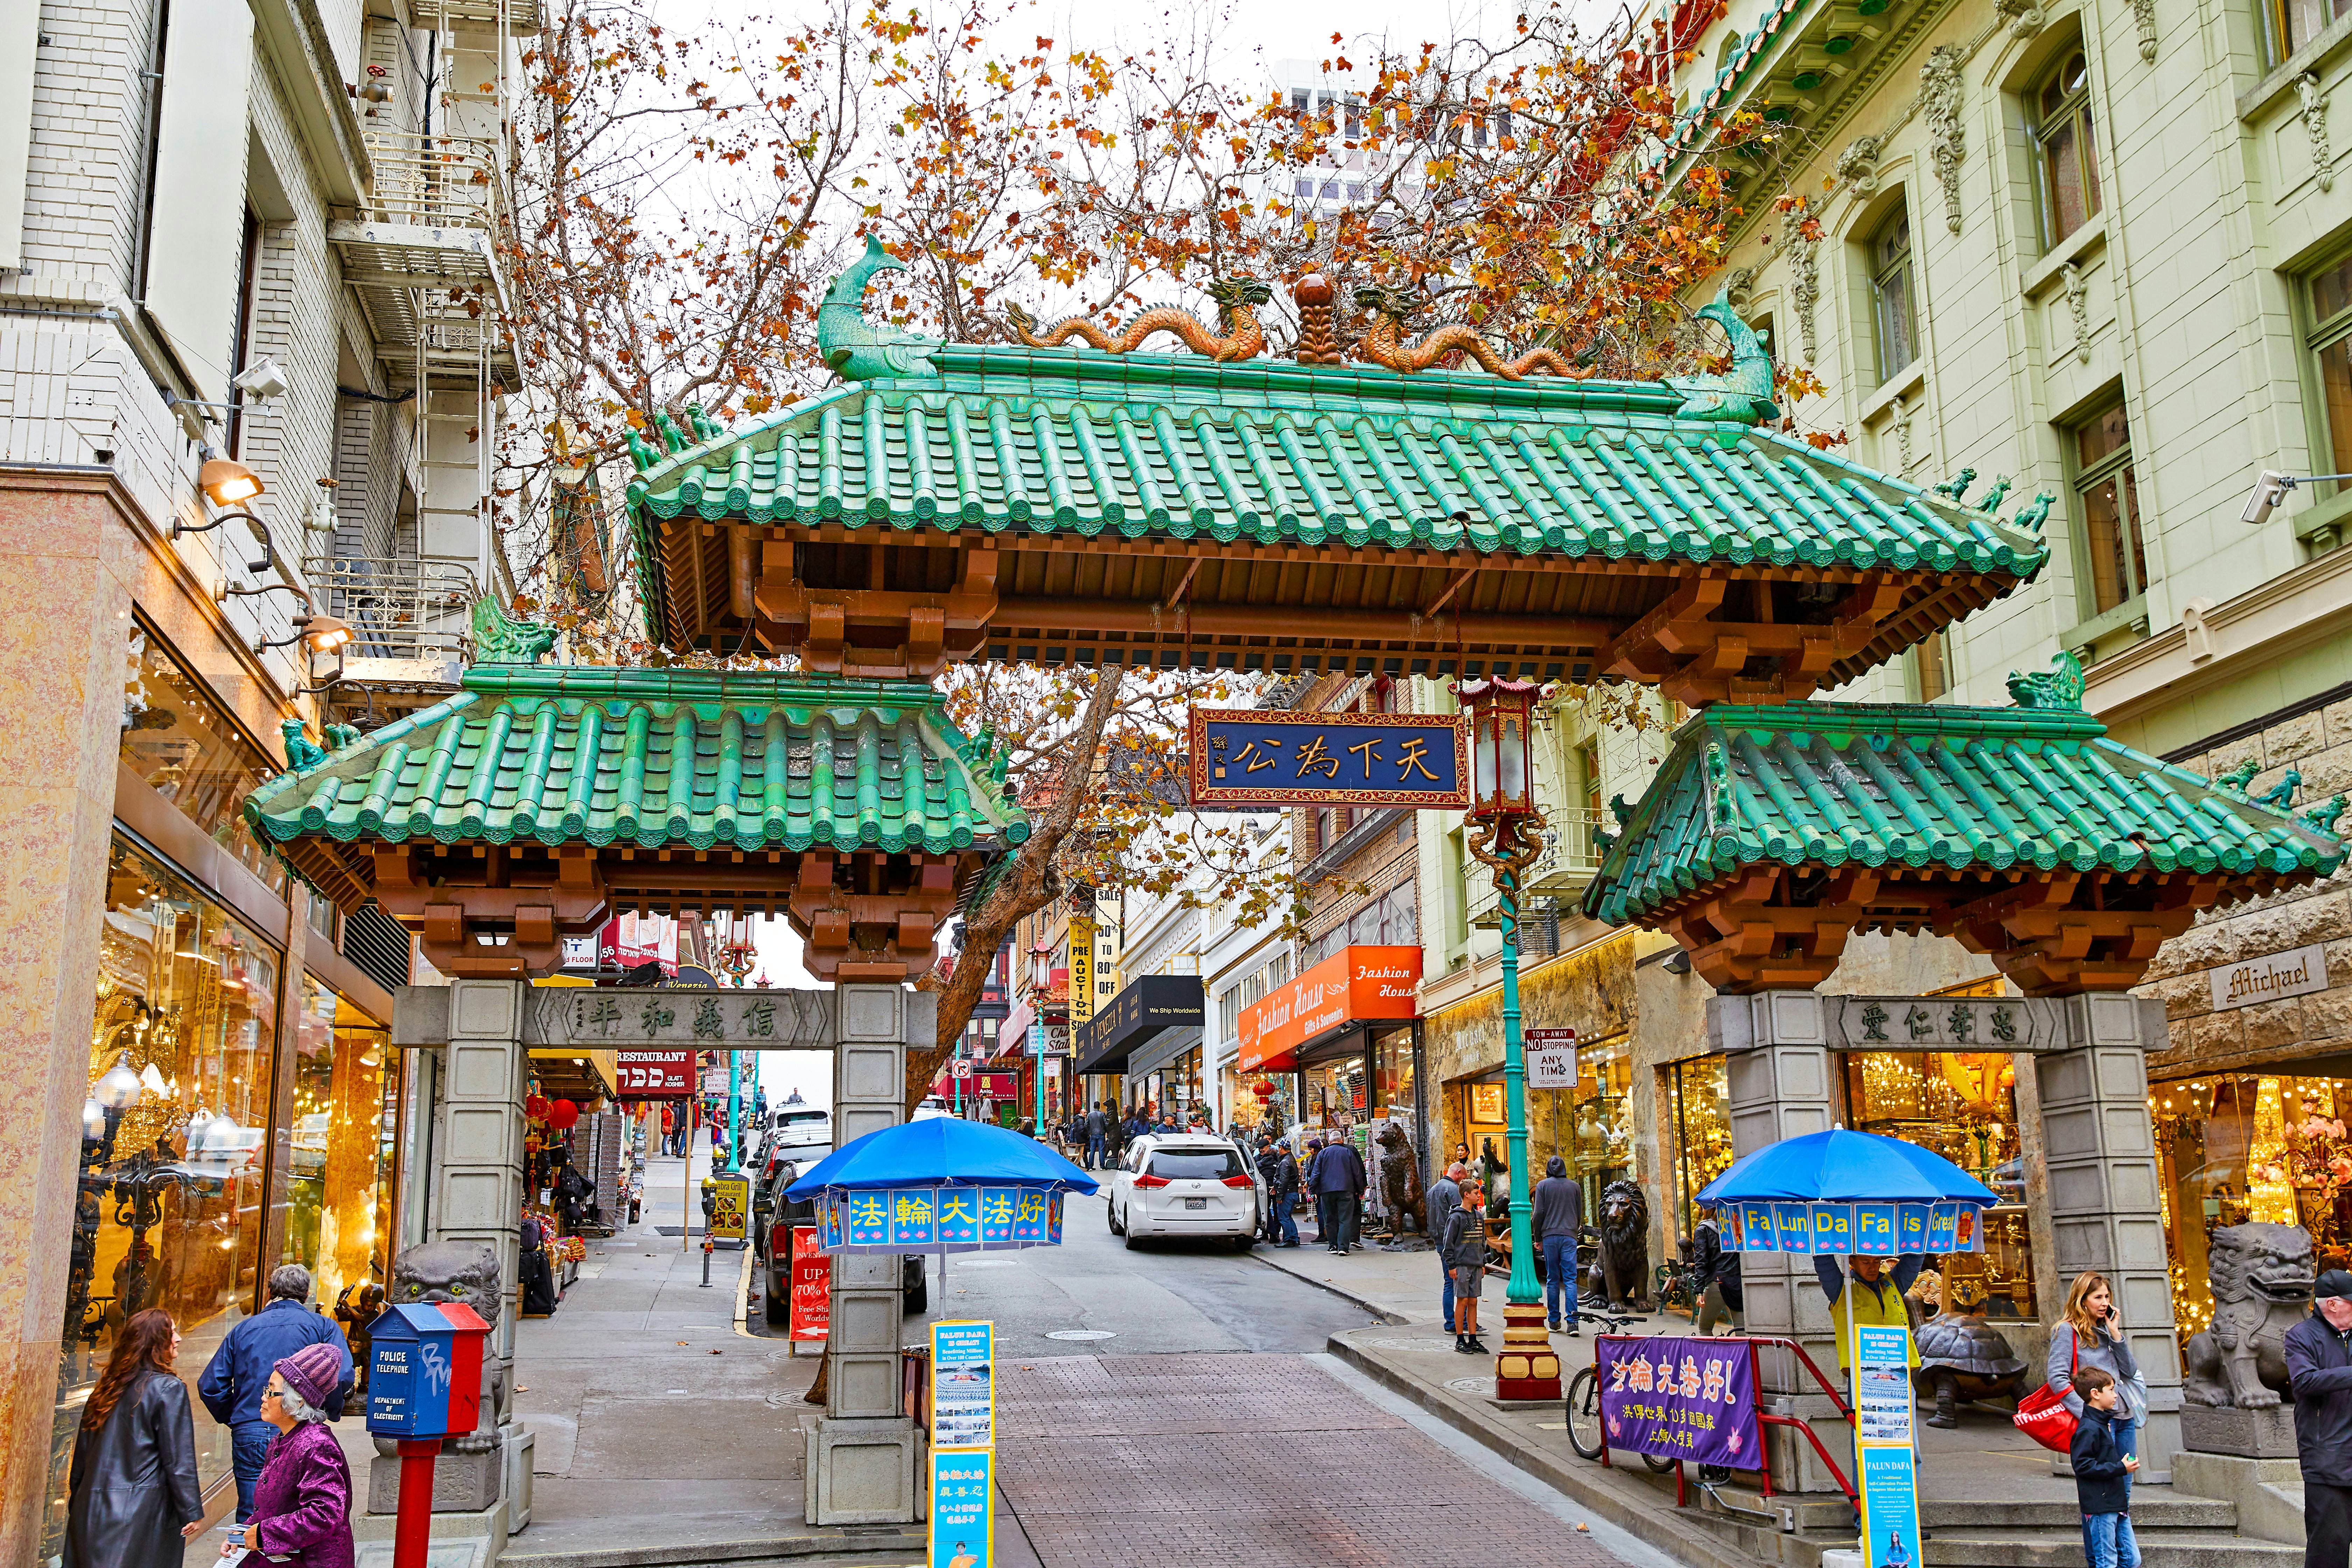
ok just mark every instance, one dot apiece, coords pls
pixel 464 1271
pixel 1618 1277
pixel 1400 1187
pixel 2261 1276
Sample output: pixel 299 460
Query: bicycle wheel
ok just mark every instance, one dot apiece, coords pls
pixel 1659 1464
pixel 1584 1414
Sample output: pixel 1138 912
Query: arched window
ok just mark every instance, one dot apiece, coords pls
pixel 2064 149
pixel 1892 296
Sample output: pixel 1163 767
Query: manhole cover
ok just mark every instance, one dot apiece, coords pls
pixel 1081 1334
pixel 1471 1385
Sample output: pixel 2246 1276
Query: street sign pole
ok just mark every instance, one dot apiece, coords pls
pixel 1037 1050
pixel 734 1111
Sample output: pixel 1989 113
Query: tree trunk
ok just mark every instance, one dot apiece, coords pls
pixel 1028 885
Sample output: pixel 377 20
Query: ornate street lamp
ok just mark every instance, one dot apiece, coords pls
pixel 1502 818
pixel 1041 976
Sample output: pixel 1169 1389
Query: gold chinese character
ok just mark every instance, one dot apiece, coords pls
pixel 1246 753
pixel 1313 756
pixel 1416 752
pixel 1371 752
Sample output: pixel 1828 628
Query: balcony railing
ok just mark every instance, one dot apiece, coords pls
pixel 403 612
pixel 433 182
pixel 1569 859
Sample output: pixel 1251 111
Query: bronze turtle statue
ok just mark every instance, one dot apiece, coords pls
pixel 1963 1357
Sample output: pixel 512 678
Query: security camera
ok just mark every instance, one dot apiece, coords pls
pixel 2269 491
pixel 261 382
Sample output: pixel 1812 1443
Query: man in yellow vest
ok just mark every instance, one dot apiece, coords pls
pixel 1875 1299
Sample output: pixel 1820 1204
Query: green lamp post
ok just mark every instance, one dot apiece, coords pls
pixel 1502 818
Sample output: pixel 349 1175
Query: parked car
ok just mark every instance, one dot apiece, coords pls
pixel 772 1244
pixel 1184 1184
pixel 933 1106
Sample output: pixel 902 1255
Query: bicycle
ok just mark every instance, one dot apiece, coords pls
pixel 1583 1415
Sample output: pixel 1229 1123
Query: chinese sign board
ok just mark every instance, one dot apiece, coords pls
pixel 1551 1058
pixel 1356 982
pixel 1883 1411
pixel 1864 1230
pixel 811 1285
pixel 1679 1398
pixel 425 1370
pixel 730 1207
pixel 938 1219
pixel 963 1386
pixel 963 1516
pixel 2270 978
pixel 601 1016
pixel 1941 1023
pixel 654 1075
pixel 1243 758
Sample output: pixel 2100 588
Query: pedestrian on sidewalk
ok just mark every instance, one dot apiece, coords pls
pixel 1715 1276
pixel 1875 1301
pixel 131 1496
pixel 1099 1125
pixel 232 1384
pixel 2087 1335
pixel 1557 1210
pixel 1465 1247
pixel 1338 1180
pixel 302 1505
pixel 1444 1197
pixel 2102 1472
pixel 2319 1360
pixel 1282 1188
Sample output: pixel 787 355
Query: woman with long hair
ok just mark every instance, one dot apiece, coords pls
pixel 133 1497
pixel 2089 1334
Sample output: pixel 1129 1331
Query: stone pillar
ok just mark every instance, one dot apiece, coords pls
pixel 67 564
pixel 862 1452
pixel 477 1185
pixel 1783 1078
pixel 2100 1153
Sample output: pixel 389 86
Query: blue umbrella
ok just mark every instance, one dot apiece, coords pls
pixel 1842 1167
pixel 941 1152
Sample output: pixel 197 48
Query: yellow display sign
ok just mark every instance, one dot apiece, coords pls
pixel 1081 971
pixel 730 1207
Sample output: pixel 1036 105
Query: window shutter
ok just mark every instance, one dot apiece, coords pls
pixel 20 42
pixel 199 227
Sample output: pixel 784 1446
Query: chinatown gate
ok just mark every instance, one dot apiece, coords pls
pixel 1353 508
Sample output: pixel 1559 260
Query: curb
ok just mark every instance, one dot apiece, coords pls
pixel 891 1539
pixel 1644 1519
pixel 1379 1313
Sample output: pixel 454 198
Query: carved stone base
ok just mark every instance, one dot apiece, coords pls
pixel 2248 1433
pixel 462 1483
pixel 1526 1367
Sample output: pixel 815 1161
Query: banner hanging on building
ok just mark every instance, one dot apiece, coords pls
pixel 1679 1398
pixel 1243 758
pixel 1081 971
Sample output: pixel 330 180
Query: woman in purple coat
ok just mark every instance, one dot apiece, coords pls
pixel 302 1501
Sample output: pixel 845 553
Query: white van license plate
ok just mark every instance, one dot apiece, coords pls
pixel 1196 1203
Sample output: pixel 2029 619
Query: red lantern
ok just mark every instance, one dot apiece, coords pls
pixel 536 1107
pixel 561 1115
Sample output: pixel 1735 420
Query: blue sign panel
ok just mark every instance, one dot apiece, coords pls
pixel 1833 1228
pixel 958 1216
pixel 914 1219
pixel 963 1519
pixel 1054 1221
pixel 869 1219
pixel 1756 1226
pixel 829 1222
pixel 1873 1229
pixel 1890 1505
pixel 1794 1222
pixel 1246 758
pixel 1943 1227
pixel 1029 1219
pixel 1911 1229
pixel 998 1206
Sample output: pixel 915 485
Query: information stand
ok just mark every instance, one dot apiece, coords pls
pixel 963 1446
pixel 1883 1415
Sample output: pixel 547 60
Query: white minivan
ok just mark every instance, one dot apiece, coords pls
pixel 1178 1183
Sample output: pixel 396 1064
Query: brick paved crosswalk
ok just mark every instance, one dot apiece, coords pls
pixel 1247 1461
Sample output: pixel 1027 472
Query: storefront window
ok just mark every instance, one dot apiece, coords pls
pixel 339 1185
pixel 2240 1148
pixel 1337 1092
pixel 1392 1079
pixel 1963 1106
pixel 1702 1111
pixel 1600 1138
pixel 186 746
pixel 170 1209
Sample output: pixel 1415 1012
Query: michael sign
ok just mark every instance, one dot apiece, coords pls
pixel 2267 979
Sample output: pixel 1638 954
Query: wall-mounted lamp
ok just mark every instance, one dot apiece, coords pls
pixel 2270 493
pixel 324 634
pixel 227 482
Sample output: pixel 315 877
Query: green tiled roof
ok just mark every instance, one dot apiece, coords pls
pixel 983 438
pixel 675 759
pixel 1827 783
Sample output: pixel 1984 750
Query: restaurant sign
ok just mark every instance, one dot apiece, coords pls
pixel 1354 984
pixel 653 1075
pixel 1245 758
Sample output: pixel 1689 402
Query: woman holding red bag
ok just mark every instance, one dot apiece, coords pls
pixel 2088 1335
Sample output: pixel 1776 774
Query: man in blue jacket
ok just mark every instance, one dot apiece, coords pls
pixel 1335 1176
pixel 2319 1362
pixel 232 1386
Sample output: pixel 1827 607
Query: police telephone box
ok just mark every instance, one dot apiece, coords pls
pixel 425 1370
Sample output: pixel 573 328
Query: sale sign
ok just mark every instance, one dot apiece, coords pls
pixel 1679 1398
pixel 653 1075
pixel 811 1285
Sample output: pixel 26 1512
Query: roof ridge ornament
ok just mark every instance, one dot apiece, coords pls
pixel 2059 687
pixel 855 348
pixel 1743 393
pixel 1238 335
pixel 499 638
pixel 1383 343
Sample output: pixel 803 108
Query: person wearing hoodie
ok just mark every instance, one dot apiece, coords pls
pixel 1557 1209
pixel 1465 1246
pixel 2102 1472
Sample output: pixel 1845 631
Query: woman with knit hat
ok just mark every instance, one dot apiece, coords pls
pixel 302 1501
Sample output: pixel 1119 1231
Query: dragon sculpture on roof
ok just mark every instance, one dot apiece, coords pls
pixel 1383 343
pixel 1238 335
